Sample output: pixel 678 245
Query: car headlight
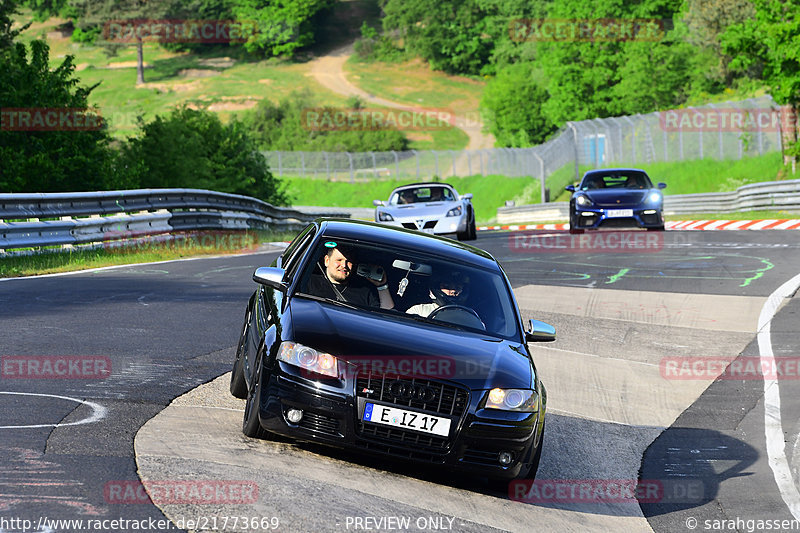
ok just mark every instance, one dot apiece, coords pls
pixel 456 211
pixel 308 359
pixel 583 200
pixel 524 400
pixel 654 197
pixel 384 217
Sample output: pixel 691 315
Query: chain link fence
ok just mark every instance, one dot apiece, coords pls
pixel 729 130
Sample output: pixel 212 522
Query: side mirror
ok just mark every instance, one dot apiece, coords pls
pixel 377 203
pixel 570 188
pixel 271 277
pixel 540 332
pixel 467 196
pixel 662 185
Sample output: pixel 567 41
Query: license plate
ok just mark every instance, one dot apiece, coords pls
pixel 427 230
pixel 619 212
pixel 391 416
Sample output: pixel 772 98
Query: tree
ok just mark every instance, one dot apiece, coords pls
pixel 282 26
pixel 513 104
pixel 193 148
pixel 128 16
pixel 769 45
pixel 58 156
pixel 8 8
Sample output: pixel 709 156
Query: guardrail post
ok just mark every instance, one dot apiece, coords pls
pixel 396 165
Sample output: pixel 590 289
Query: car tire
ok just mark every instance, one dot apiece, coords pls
pixel 251 426
pixel 472 231
pixel 657 228
pixel 238 383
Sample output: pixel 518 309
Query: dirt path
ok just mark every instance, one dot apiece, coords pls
pixel 329 71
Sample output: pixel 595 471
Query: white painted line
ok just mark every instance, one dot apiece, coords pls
pixel 773 426
pixel 112 267
pixel 98 411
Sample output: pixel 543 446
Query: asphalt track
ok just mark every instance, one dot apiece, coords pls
pixel 615 415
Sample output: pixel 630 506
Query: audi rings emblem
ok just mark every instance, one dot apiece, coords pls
pixel 408 391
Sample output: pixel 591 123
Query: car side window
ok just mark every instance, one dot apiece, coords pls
pixel 295 250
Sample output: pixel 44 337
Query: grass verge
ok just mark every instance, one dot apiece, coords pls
pixel 185 245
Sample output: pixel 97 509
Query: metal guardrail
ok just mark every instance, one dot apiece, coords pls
pixel 93 217
pixel 767 196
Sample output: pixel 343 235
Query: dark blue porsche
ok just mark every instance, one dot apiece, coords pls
pixel 616 197
pixel 395 343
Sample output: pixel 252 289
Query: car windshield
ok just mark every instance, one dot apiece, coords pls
pixel 616 180
pixel 422 194
pixel 421 287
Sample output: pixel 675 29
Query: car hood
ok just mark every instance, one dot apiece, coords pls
pixel 617 197
pixel 427 209
pixel 382 342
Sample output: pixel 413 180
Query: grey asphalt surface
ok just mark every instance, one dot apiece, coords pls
pixel 167 328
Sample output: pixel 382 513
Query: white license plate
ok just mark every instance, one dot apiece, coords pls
pixel 391 416
pixel 619 212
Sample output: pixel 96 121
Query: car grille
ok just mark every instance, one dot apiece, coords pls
pixel 481 457
pixel 450 401
pixel 320 423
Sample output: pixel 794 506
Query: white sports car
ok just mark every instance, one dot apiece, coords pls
pixel 431 208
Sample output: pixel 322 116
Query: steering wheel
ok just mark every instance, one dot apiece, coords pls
pixel 456 311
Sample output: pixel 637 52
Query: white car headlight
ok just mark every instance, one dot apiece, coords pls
pixel 654 197
pixel 456 211
pixel 583 200
pixel 524 400
pixel 384 217
pixel 308 359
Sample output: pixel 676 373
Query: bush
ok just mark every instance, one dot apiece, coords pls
pixel 194 149
pixel 285 126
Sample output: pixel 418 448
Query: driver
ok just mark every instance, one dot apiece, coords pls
pixel 338 282
pixel 445 290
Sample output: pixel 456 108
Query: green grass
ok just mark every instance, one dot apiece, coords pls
pixel 689 177
pixel 81 259
pixel 489 192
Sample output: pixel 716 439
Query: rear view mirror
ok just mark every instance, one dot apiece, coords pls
pixel 570 188
pixel 413 268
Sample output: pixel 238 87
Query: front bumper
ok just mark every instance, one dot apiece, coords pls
pixel 595 217
pixel 432 225
pixel 332 416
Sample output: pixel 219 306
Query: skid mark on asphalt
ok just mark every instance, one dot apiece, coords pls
pixel 612 268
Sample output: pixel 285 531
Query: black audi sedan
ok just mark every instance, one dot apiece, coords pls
pixel 393 342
